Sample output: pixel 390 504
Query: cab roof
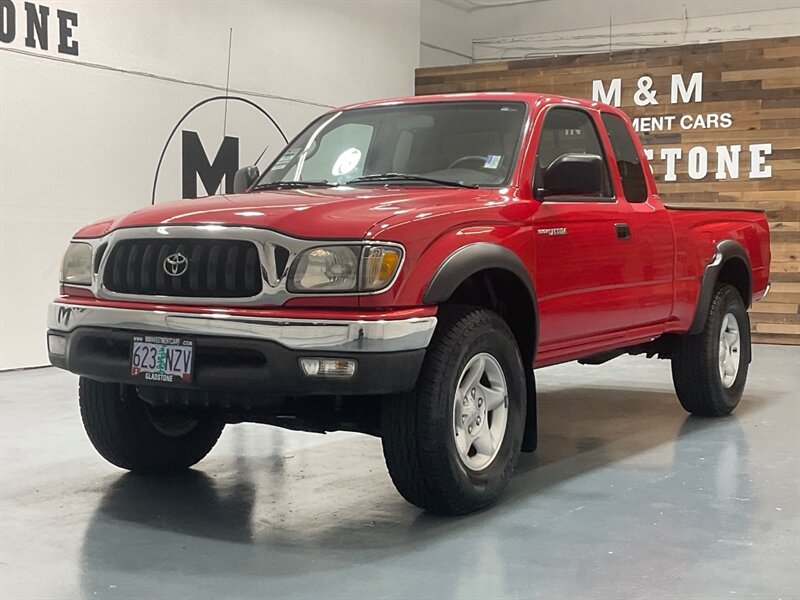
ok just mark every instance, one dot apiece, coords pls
pixel 531 98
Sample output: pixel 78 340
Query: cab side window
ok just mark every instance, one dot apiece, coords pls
pixel 631 171
pixel 568 131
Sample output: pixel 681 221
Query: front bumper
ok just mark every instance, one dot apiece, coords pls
pixel 245 354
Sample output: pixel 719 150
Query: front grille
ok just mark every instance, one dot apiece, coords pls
pixel 215 268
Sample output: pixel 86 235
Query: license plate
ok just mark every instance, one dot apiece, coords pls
pixel 162 359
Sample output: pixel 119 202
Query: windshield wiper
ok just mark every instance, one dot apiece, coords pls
pixel 409 177
pixel 294 185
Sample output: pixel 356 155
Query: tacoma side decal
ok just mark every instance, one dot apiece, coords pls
pixel 553 231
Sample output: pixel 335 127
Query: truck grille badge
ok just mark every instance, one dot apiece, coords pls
pixel 176 264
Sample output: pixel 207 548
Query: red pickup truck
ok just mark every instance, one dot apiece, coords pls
pixel 400 269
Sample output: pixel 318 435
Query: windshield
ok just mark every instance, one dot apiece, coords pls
pixel 466 143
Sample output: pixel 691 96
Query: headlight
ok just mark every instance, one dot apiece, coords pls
pixel 76 268
pixel 328 269
pixel 344 269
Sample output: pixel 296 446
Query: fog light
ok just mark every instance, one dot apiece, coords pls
pixel 342 368
pixel 56 344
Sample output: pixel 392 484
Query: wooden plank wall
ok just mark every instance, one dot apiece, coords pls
pixel 756 81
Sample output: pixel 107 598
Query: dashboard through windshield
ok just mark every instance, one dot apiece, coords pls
pixel 472 143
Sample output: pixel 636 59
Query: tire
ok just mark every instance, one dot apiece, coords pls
pixel 428 463
pixel 705 386
pixel 130 434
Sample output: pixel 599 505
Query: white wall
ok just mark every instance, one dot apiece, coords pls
pixel 445 35
pixel 80 137
pixel 514 29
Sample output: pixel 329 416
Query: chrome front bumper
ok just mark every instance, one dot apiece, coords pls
pixel 295 334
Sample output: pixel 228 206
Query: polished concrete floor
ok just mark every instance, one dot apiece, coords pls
pixel 626 498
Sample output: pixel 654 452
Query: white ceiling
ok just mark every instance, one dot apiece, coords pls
pixel 472 5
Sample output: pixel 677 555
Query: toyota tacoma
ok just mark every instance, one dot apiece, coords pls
pixel 399 270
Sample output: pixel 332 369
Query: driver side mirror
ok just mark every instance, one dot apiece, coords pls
pixel 574 175
pixel 244 178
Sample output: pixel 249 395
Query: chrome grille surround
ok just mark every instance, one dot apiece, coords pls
pixel 273 292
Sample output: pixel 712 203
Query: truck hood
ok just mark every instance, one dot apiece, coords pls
pixel 343 212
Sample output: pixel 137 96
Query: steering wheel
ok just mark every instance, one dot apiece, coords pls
pixel 468 158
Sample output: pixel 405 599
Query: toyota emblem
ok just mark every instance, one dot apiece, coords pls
pixel 176 264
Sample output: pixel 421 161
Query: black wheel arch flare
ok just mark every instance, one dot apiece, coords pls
pixel 471 259
pixel 463 264
pixel 727 250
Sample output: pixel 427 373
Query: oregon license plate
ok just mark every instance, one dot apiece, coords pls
pixel 162 359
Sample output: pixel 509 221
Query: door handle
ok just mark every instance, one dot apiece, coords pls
pixel 623 231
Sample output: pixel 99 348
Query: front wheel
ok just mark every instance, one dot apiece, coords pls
pixel 451 445
pixel 133 435
pixel 709 369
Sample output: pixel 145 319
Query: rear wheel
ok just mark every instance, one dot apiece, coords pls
pixel 451 445
pixel 709 369
pixel 133 435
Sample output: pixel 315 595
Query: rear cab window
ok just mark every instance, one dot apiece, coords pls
pixel 631 170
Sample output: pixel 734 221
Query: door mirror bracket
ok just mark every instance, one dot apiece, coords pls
pixel 244 178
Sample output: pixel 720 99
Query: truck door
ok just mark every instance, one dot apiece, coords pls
pixel 648 224
pixel 584 261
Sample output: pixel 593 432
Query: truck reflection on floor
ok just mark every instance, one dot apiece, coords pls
pixel 624 469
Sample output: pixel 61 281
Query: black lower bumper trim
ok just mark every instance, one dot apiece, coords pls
pixel 257 368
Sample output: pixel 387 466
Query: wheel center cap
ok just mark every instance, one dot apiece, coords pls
pixel 471 410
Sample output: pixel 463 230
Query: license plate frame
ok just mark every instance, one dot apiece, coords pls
pixel 162 358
